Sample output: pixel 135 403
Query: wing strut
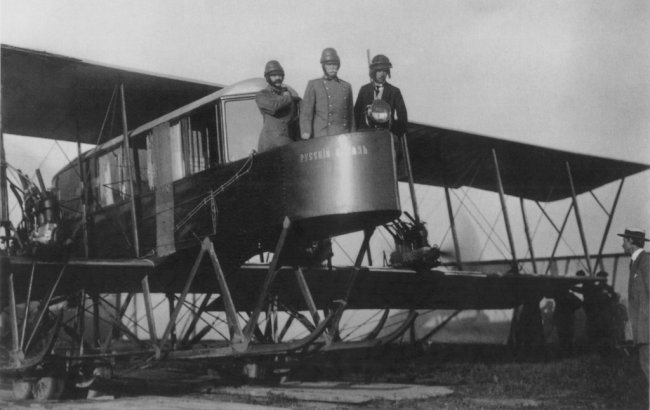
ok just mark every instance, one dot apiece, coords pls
pixel 452 224
pixel 130 171
pixel 579 219
pixel 610 216
pixel 409 171
pixel 514 268
pixel 4 199
pixel 84 198
pixel 5 223
pixel 529 240
pixel 560 231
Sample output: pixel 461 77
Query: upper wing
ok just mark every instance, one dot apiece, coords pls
pixel 451 158
pixel 51 96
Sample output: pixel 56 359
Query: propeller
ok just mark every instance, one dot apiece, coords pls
pixel 468 242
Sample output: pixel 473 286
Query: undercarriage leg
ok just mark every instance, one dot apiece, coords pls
pixel 96 331
pixel 238 341
pixel 149 310
pixel 116 326
pixel 306 293
pixel 334 330
pixel 172 319
pixel 13 315
pixel 27 302
pixel 191 329
pixel 81 323
pixel 270 276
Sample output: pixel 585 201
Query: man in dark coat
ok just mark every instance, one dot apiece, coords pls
pixel 379 88
pixel 638 291
pixel 566 303
pixel 279 106
pixel 327 104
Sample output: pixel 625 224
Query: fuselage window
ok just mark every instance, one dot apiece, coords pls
pixel 243 123
pixel 176 145
pixel 112 177
pixel 182 147
pixel 192 143
pixel 198 136
pixel 144 161
pixel 68 184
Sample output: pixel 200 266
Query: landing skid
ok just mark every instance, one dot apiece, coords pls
pixel 79 338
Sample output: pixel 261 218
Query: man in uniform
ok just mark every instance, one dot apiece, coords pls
pixel 379 88
pixel 327 104
pixel 638 291
pixel 279 106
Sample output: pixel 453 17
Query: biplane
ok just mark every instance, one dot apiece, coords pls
pixel 141 249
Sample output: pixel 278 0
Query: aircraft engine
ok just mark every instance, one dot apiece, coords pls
pixel 45 231
pixel 412 249
pixel 39 232
pixel 43 216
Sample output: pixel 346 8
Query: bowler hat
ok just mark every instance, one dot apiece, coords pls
pixel 634 233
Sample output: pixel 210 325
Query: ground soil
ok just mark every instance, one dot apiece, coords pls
pixel 481 377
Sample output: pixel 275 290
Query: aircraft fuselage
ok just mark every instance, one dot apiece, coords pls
pixel 195 174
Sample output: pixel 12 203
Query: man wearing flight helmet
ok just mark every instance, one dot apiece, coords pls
pixel 279 105
pixel 327 104
pixel 379 88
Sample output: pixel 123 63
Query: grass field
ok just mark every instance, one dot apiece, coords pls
pixel 491 377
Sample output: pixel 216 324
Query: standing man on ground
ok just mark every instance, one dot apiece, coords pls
pixel 327 104
pixel 638 291
pixel 379 88
pixel 279 106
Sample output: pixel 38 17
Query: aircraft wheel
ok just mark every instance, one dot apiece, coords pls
pixel 48 388
pixel 277 376
pixel 99 373
pixel 22 389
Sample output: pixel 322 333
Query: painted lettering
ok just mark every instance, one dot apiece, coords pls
pixel 340 151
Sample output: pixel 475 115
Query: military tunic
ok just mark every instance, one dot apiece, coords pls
pixel 327 108
pixel 280 113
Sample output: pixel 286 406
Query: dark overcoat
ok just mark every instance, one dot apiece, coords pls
pixel 638 294
pixel 393 96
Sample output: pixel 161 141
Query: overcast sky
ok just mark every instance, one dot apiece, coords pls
pixel 568 74
pixel 572 75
